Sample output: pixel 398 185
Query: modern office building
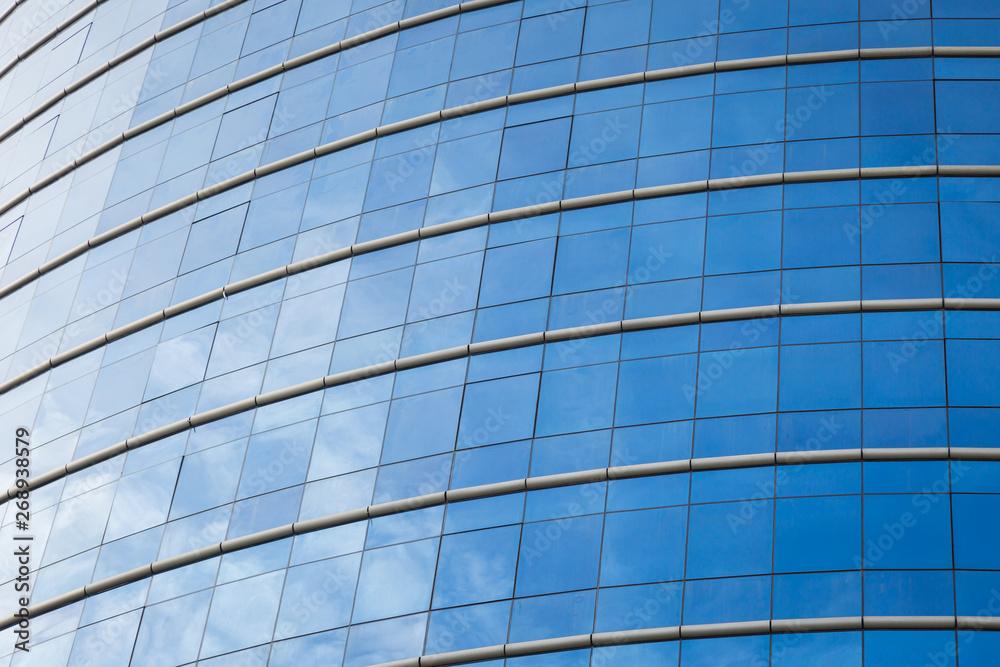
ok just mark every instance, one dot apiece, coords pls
pixel 535 333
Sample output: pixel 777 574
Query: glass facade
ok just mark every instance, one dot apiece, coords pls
pixel 582 333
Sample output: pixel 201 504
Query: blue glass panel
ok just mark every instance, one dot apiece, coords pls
pixel 513 273
pixel 739 650
pixel 498 411
pixel 535 148
pixel 897 108
pixel 815 377
pixel 659 557
pixel 559 555
pixel 974 548
pixel 733 127
pixel 649 606
pixel 910 532
pixel 673 127
pixel 552 616
pixel 576 399
pixel 737 381
pixel 817 650
pixel 591 261
pixel 750 242
pixel 817 533
pixel 476 567
pixel 676 19
pixel 725 600
pixel 406 569
pixel 824 594
pixel 909 593
pixel 903 375
pixel 643 397
pixel 467 627
pixel 549 37
pixel 730 539
pixel 889 648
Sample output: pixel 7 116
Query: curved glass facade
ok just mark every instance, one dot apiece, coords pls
pixel 348 333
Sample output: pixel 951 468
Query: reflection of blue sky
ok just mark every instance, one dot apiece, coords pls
pixel 263 512
pixel 168 585
pixel 547 616
pixel 375 303
pixel 13 322
pixel 468 627
pixel 466 162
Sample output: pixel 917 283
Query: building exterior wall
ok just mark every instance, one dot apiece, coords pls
pixel 324 355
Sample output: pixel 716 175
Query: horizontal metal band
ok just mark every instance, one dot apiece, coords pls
pixel 709 631
pixel 495 490
pixel 454 226
pixel 453 112
pixel 460 352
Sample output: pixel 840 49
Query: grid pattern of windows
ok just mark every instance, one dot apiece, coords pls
pixel 710 543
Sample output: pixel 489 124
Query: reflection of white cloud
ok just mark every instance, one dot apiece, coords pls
pixel 64 576
pixel 53 652
pixel 79 523
pixel 396 580
pixel 375 643
pixel 170 633
pixel 41 525
pixel 179 362
pixel 142 501
pixel 348 441
pixel 337 494
pixel 242 614
pixel 479 575
pixel 62 410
